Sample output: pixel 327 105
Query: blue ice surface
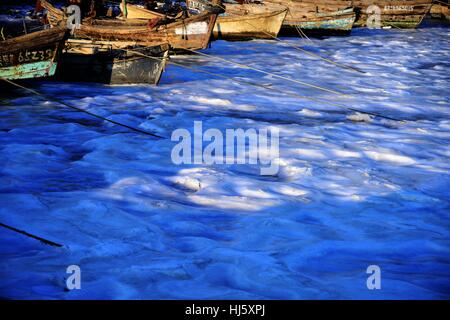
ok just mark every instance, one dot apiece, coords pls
pixel 352 190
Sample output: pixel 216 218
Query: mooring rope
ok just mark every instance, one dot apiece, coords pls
pixel 271 74
pixel 302 34
pixel 312 54
pixel 51 243
pixel 270 88
pixel 82 110
pixel 297 28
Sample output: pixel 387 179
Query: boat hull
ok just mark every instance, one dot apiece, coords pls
pixel 192 33
pixel 308 17
pixel 397 14
pixel 249 21
pixel 85 61
pixel 393 13
pixel 31 70
pixel 34 55
pixel 440 11
pixel 333 25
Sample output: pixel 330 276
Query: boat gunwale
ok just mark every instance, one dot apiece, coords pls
pixel 128 28
pixel 251 16
pixel 24 42
pixel 297 21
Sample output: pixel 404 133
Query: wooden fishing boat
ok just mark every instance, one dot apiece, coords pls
pixel 440 11
pixel 193 32
pixel 308 17
pixel 34 55
pixel 436 11
pixel 113 63
pixel 239 22
pixel 446 12
pixel 247 21
pixel 393 13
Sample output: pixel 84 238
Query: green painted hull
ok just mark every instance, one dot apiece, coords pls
pixel 33 55
pixel 344 24
pixel 29 70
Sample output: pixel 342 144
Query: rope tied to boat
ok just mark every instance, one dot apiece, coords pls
pixel 82 110
pixel 271 74
pixel 29 235
pixel 297 28
pixel 257 85
pixel 303 35
pixel 312 54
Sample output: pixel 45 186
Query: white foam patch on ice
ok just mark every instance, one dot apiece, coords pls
pixel 187 183
pixel 309 113
pixel 210 101
pixel 389 157
pixel 232 202
pixel 359 117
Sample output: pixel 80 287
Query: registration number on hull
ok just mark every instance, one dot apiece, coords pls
pixel 25 56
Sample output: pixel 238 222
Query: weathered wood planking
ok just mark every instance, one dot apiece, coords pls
pixel 246 21
pixel 33 55
pixel 311 16
pixel 112 63
pixel 394 13
pixel 440 11
pixel 136 12
pixel 192 33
